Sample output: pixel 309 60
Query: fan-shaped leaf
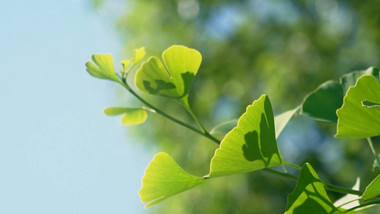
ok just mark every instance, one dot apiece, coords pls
pixel 132 116
pixel 309 195
pixel 354 119
pixel 103 67
pixel 164 178
pixel 172 79
pixel 249 146
pixel 138 55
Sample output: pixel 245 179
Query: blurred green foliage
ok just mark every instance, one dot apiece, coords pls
pixel 282 48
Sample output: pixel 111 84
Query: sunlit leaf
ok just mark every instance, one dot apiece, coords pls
pixel 164 178
pixel 309 195
pixel 138 55
pixel 281 120
pixel 132 116
pixel 103 67
pixel 249 146
pixel 125 63
pixel 354 119
pixel 350 200
pixel 172 79
pixel 322 103
pixel 373 189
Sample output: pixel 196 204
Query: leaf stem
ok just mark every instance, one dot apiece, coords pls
pixel 373 151
pixel 158 111
pixel 185 102
pixel 282 174
pixel 362 205
pixel 293 165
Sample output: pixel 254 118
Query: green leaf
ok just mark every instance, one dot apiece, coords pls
pixel 309 195
pixel 164 178
pixel 125 63
pixel 172 79
pixel 251 145
pixel 223 128
pixel 281 120
pixel 354 119
pixel 372 190
pixel 322 103
pixel 348 80
pixel 138 55
pixel 103 67
pixel 132 116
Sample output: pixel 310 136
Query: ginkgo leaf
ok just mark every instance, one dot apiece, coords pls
pixel 309 195
pixel 125 63
pixel 354 119
pixel 372 190
pixel 281 120
pixel 172 79
pixel 132 116
pixel 138 55
pixel 103 67
pixel 322 103
pixel 164 178
pixel 251 145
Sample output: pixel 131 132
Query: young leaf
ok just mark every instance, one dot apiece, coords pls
pixel 322 103
pixel 125 63
pixel 309 195
pixel 172 79
pixel 138 55
pixel 132 116
pixel 372 190
pixel 251 145
pixel 164 178
pixel 103 67
pixel 354 119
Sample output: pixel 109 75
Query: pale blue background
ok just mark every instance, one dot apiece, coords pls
pixel 58 152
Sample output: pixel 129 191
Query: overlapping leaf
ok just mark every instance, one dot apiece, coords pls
pixel 132 116
pixel 164 178
pixel 322 103
pixel 356 120
pixel 174 77
pixel 309 195
pixel 249 146
pixel 373 189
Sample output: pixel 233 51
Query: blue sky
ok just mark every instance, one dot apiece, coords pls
pixel 58 152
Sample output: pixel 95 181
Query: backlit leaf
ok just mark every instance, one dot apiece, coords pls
pixel 103 67
pixel 132 116
pixel 138 55
pixel 164 178
pixel 356 120
pixel 251 145
pixel 281 120
pixel 373 189
pixel 309 195
pixel 174 77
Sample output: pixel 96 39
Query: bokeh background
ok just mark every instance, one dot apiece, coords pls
pixel 59 154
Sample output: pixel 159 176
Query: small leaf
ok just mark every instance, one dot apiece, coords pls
pixel 138 55
pixel 372 190
pixel 103 67
pixel 354 119
pixel 322 103
pixel 173 79
pixel 281 120
pixel 132 116
pixel 125 63
pixel 251 145
pixel 164 178
pixel 309 195
pixel 349 201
